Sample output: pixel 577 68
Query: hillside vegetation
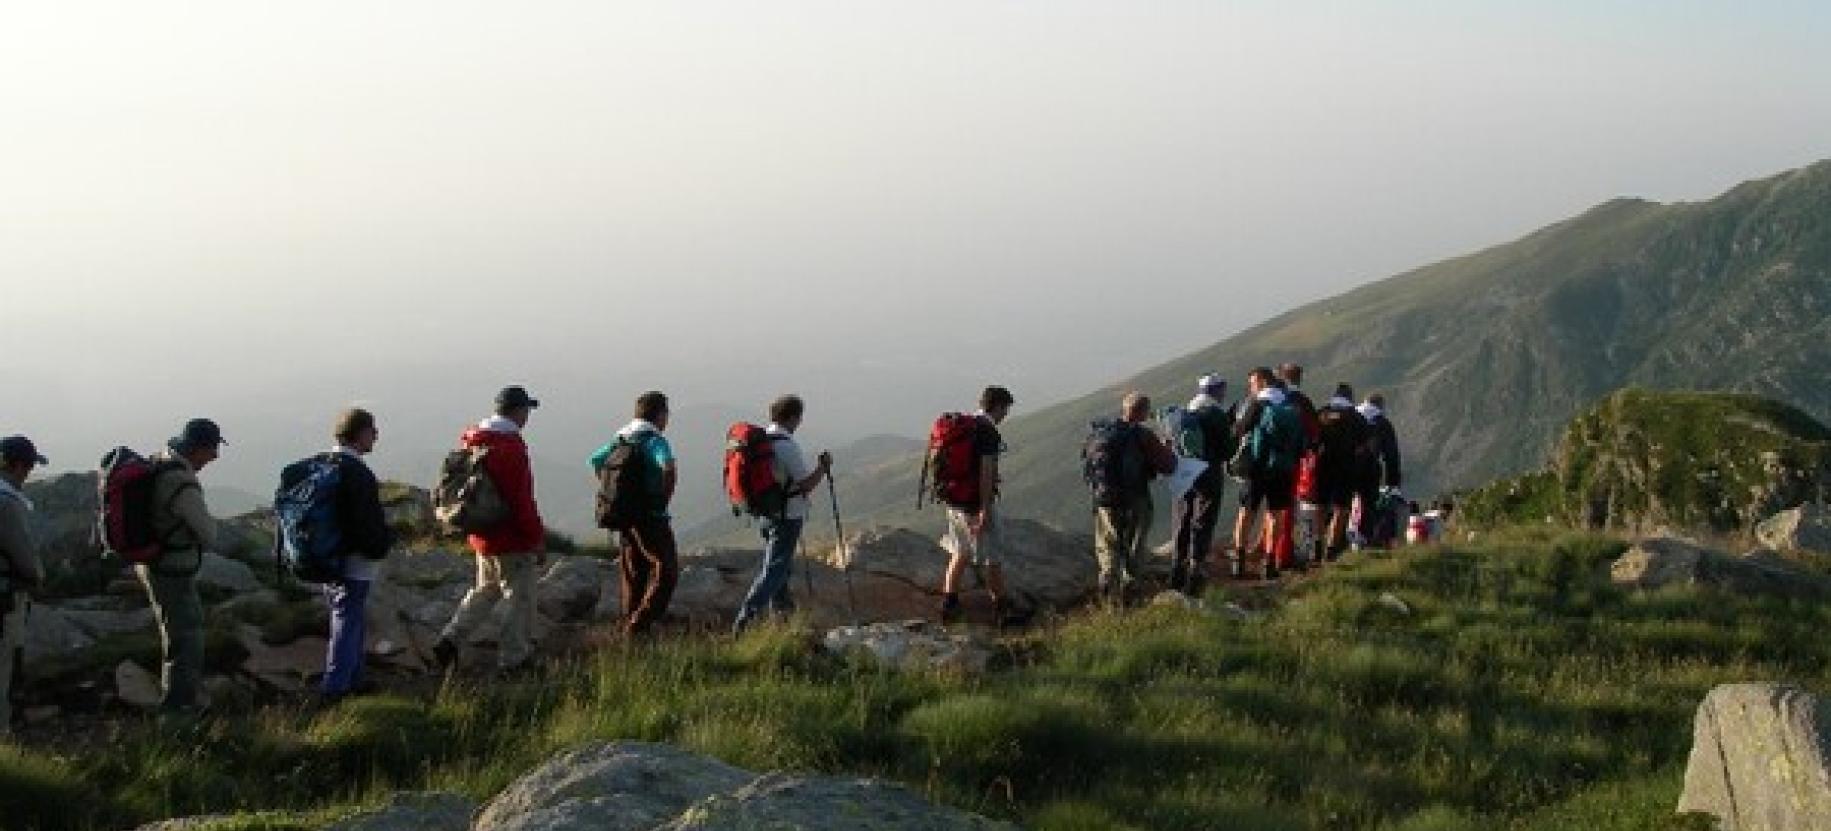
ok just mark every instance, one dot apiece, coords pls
pixel 1516 688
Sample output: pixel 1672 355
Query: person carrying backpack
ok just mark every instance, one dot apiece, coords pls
pixel 510 551
pixel 637 474
pixel 1344 433
pixel 1271 435
pixel 1378 472
pixel 963 454
pixel 1204 431
pixel 21 570
pixel 181 522
pixel 1297 533
pixel 781 531
pixel 364 539
pixel 1119 461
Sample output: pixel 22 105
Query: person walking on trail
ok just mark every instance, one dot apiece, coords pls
pixel 1344 432
pixel 21 570
pixel 366 540
pixel 648 559
pixel 1120 459
pixel 1297 532
pixel 1378 469
pixel 1204 431
pixel 1270 429
pixel 181 521
pixel 769 591
pixel 975 524
pixel 510 552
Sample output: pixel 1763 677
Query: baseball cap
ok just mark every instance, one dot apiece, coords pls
pixel 21 449
pixel 199 432
pixel 516 396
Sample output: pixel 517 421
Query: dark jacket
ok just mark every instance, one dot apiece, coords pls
pixel 359 511
pixel 1380 464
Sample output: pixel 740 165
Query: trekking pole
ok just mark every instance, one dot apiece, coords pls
pixel 839 533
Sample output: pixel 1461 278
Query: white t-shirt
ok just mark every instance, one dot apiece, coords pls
pixel 791 467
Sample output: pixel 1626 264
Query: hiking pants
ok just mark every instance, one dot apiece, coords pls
pixel 179 612
pixel 650 566
pixel 1119 543
pixel 501 578
pixel 1193 517
pixel 12 647
pixel 349 619
pixel 770 589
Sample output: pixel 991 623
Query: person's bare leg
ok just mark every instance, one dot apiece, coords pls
pixel 956 568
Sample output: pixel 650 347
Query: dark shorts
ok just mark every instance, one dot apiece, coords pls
pixel 1276 491
pixel 1335 489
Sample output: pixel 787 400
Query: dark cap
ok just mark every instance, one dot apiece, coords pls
pixel 198 432
pixel 16 449
pixel 513 397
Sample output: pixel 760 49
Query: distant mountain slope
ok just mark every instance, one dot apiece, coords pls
pixel 1485 357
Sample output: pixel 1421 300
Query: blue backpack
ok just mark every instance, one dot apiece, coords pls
pixel 310 534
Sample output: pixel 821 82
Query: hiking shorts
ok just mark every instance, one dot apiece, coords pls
pixel 1334 488
pixel 959 540
pixel 1276 491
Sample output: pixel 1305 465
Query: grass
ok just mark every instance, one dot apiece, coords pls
pixel 1522 692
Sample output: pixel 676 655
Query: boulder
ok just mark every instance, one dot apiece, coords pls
pixel 570 589
pixel 628 786
pixel 228 575
pixel 1761 759
pixel 135 686
pixel 419 811
pixel 285 668
pixel 51 632
pixel 1806 529
pixel 104 623
pixel 785 801
pixel 1656 562
pixel 1046 567
pixel 408 510
pixel 911 645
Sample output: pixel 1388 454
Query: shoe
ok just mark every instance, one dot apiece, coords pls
pixel 444 654
pixel 950 609
pixel 1271 569
pixel 1197 584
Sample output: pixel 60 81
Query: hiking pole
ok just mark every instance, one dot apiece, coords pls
pixel 839 532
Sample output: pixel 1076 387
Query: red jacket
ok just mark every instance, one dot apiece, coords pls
pixel 510 469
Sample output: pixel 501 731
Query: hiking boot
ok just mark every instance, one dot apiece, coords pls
pixel 950 609
pixel 1197 584
pixel 444 654
pixel 1271 569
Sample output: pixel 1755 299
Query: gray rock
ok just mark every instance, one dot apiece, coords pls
pixel 779 801
pixel 136 686
pixel 1177 600
pixel 101 623
pixel 570 589
pixel 50 632
pixel 1761 759
pixel 627 786
pixel 1664 561
pixel 911 644
pixel 229 575
pixel 1392 601
pixel 420 811
pixel 1806 529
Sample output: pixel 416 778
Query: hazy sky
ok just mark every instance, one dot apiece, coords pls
pixel 207 203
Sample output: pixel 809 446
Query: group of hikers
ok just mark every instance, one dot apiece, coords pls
pixel 1342 458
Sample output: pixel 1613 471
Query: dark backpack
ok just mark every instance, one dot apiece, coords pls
pixel 1205 433
pixel 310 530
pixel 750 472
pixel 1278 439
pixel 1112 463
pixel 952 463
pixel 1343 435
pixel 125 509
pixel 466 499
pixel 625 494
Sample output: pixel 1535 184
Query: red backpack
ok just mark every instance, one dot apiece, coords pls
pixel 750 472
pixel 952 461
pixel 124 496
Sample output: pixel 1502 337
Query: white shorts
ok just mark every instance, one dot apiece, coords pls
pixel 959 540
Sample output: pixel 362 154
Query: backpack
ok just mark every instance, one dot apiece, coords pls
pixel 1112 462
pixel 750 472
pixel 124 499
pixel 1278 438
pixel 1202 433
pixel 305 507
pixel 466 499
pixel 953 461
pixel 625 495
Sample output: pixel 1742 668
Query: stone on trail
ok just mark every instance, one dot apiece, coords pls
pixel 1394 602
pixel 1662 561
pixel 1761 759
pixel 795 802
pixel 911 645
pixel 628 786
pixel 223 573
pixel 417 811
pixel 1805 529
pixel 136 686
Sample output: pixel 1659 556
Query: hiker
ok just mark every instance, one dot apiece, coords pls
pixel 781 532
pixel 963 453
pixel 21 571
pixel 1344 433
pixel 1119 461
pixel 1378 463
pixel 1295 543
pixel 510 552
pixel 366 540
pixel 647 559
pixel 1204 431
pixel 1270 433
pixel 182 524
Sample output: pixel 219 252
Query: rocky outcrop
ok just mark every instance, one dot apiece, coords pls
pixel 419 811
pixel 634 786
pixel 1665 561
pixel 1805 529
pixel 911 645
pixel 1761 759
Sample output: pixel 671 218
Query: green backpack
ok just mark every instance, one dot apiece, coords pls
pixel 1277 440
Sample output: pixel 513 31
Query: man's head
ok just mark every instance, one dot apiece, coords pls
pixel 996 401
pixel 1136 407
pixel 515 404
pixel 198 443
pixel 356 430
pixel 1212 385
pixel 787 411
pixel 652 407
pixel 1343 390
pixel 1377 400
pixel 18 455
pixel 1260 378
pixel 1291 374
